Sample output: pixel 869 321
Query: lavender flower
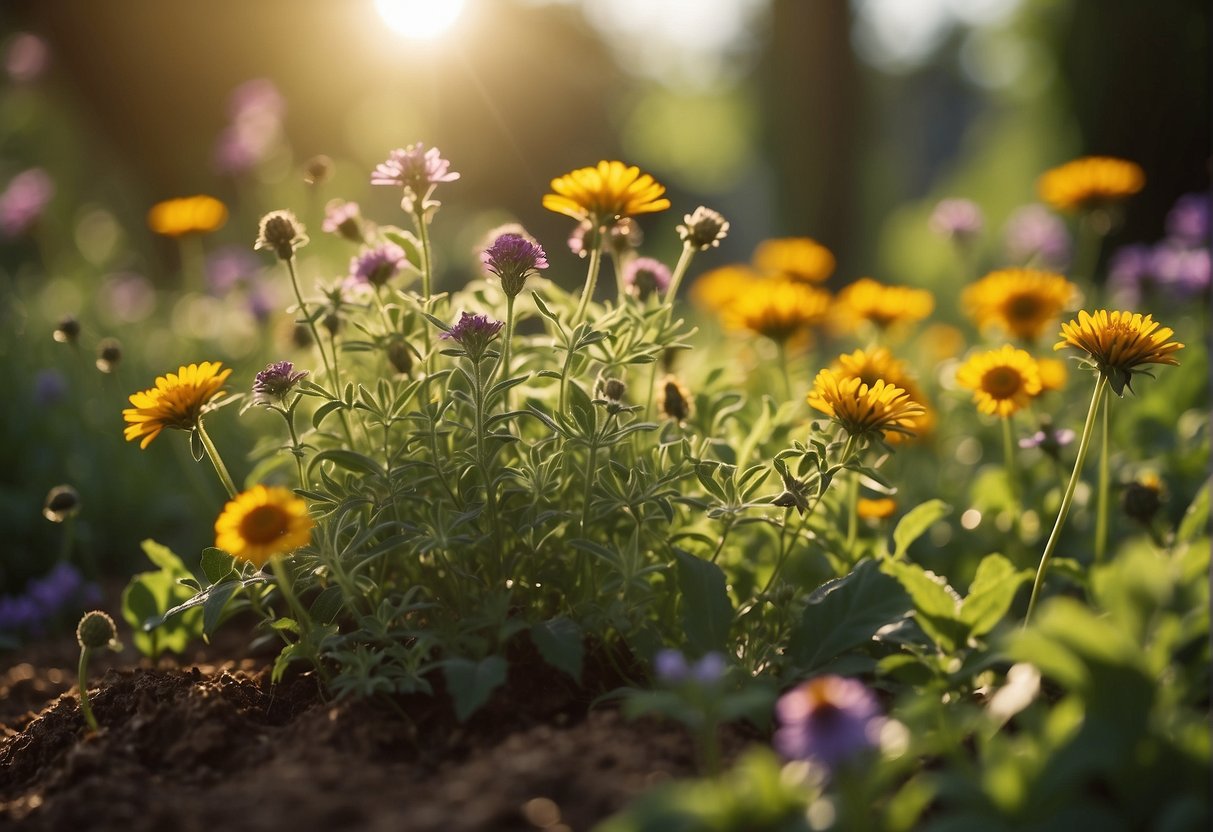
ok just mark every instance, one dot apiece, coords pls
pixel 1049 439
pixel 957 219
pixel 418 170
pixel 229 266
pixel 1181 269
pixel 377 265
pixel 257 109
pixel 344 219
pixel 60 591
pixel 828 719
pixel 473 333
pixel 1035 233
pixel 645 276
pixel 670 666
pixel 24 200
pixel 1188 220
pixel 26 58
pixel 513 258
pixel 272 384
pixel 1130 269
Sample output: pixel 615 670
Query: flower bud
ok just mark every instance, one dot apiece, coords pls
pixel 400 356
pixel 704 229
pixel 67 331
pixel 675 399
pixel 62 502
pixel 317 170
pixel 1143 498
pixel 281 233
pixel 96 630
pixel 613 389
pixel 109 353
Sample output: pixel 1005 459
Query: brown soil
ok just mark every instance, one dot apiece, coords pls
pixel 213 745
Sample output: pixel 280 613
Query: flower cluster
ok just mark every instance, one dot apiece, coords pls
pixel 1178 265
pixel 58 594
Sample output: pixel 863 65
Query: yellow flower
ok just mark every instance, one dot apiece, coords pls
pixel 778 309
pixel 860 408
pixel 1119 342
pixel 884 306
pixel 1022 302
pixel 1090 181
pixel 604 193
pixel 1053 374
pixel 942 341
pixel 796 258
pixel 262 522
pixel 187 215
pixel 1003 381
pixel 717 289
pixel 177 401
pixel 870 366
pixel 880 509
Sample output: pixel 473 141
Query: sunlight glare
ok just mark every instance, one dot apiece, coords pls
pixel 419 19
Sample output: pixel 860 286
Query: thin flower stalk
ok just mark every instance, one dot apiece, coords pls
pixel 591 278
pixel 1101 499
pixel 216 460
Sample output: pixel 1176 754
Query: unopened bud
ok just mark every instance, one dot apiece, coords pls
pixel 109 353
pixel 96 630
pixel 67 331
pixel 62 502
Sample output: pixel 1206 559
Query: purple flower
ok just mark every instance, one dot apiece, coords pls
pixel 828 719
pixel 1129 270
pixel 1035 233
pixel 273 383
pixel 343 218
pixel 957 219
pixel 645 276
pixel 128 297
pixel 473 333
pixel 1188 220
pixel 257 109
pixel 50 387
pixel 377 265
pixel 1049 439
pixel 27 58
pixel 229 266
pixel 24 200
pixel 710 668
pixel 259 304
pixel 670 666
pixel 418 171
pixel 256 98
pixel 1181 269
pixel 513 258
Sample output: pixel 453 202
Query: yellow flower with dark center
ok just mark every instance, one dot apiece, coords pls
pixel 796 258
pixel 606 192
pixel 1053 374
pixel 884 306
pixel 1119 342
pixel 1003 381
pixel 1021 302
pixel 716 290
pixel 778 309
pixel 863 409
pixel 262 522
pixel 870 366
pixel 187 215
pixel 878 509
pixel 177 401
pixel 1090 181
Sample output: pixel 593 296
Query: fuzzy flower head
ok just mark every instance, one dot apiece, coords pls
pixel 1090 182
pixel 1117 344
pixel 261 523
pixel 957 219
pixel 473 333
pixel 199 214
pixel 777 309
pixel 281 233
pixel 418 170
pixel 829 720
pixel 645 276
pixel 863 409
pixel 272 384
pixel 795 258
pixel 177 401
pixel 1020 302
pixel 884 306
pixel 513 258
pixel 1003 381
pixel 605 193
pixel 343 219
pixel 703 228
pixel 377 265
pixel 24 201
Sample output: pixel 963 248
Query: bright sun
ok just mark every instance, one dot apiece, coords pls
pixel 419 19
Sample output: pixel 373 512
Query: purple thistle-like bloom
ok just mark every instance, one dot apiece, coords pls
pixel 1188 220
pixel 513 258
pixel 377 265
pixel 643 276
pixel 24 200
pixel 273 383
pixel 416 169
pixel 828 719
pixel 1033 232
pixel 957 219
pixel 344 219
pixel 473 333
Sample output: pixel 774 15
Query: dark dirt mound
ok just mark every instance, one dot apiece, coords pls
pixel 217 746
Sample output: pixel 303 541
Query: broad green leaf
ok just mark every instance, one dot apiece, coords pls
pixel 324 410
pixel 991 593
pixel 936 604
pixel 1196 519
pixel 163 557
pixel 326 606
pixel 216 564
pixel 916 523
pixel 217 598
pixel 559 641
pixel 349 460
pixel 707 612
pixel 472 683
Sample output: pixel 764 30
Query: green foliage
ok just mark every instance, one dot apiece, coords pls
pixel 150 595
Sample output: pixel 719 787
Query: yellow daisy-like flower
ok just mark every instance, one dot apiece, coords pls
pixel 1003 381
pixel 796 258
pixel 863 409
pixel 187 215
pixel 1090 181
pixel 262 522
pixel 717 289
pixel 870 366
pixel 884 306
pixel 777 309
pixel 1022 302
pixel 1053 374
pixel 1119 342
pixel 878 509
pixel 177 401
pixel 605 192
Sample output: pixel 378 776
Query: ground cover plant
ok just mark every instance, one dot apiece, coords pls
pixel 878 557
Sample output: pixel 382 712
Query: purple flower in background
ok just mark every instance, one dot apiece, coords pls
pixel 1184 271
pixel 828 719
pixel 259 304
pixel 229 266
pixel 1130 269
pixel 513 258
pixel 256 98
pixel 60 592
pixel 377 265
pixel 343 218
pixel 645 276
pixel 473 333
pixel 24 200
pixel 1188 220
pixel 957 219
pixel 50 387
pixel 257 109
pixel 670 666
pixel 416 169
pixel 1049 439
pixel 273 383
pixel 710 668
pixel 26 58
pixel 128 297
pixel 1035 233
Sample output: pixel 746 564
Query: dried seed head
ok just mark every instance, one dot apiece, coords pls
pixel 67 331
pixel 281 233
pixel 704 228
pixel 96 630
pixel 317 170
pixel 62 502
pixel 613 389
pixel 109 353
pixel 675 399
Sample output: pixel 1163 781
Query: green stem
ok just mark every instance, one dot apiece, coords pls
pixel 1101 511
pixel 852 511
pixel 591 282
pixel 680 270
pixel 1068 496
pixel 783 370
pixel 490 495
pixel 427 268
pixel 1008 454
pixel 216 460
pixel 288 592
pixel 289 417
pixel 507 347
pixel 82 681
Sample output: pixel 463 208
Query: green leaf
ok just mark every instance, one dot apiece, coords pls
pixel 916 523
pixel 216 564
pixel 543 309
pixel 327 604
pixel 212 610
pixel 991 593
pixel 472 683
pixel 1196 519
pixel 707 612
pixel 324 410
pixel 349 460
pixel 845 613
pixel 163 557
pixel 559 641
pixel 936 604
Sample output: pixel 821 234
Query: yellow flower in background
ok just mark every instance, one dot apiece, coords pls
pixel 1053 374
pixel 606 192
pixel 878 509
pixel 870 366
pixel 942 341
pixel 177 401
pixel 796 258
pixel 1090 181
pixel 1003 381
pixel 717 289
pixel 778 309
pixel 860 408
pixel 262 522
pixel 187 215
pixel 884 306
pixel 1119 342
pixel 1021 302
